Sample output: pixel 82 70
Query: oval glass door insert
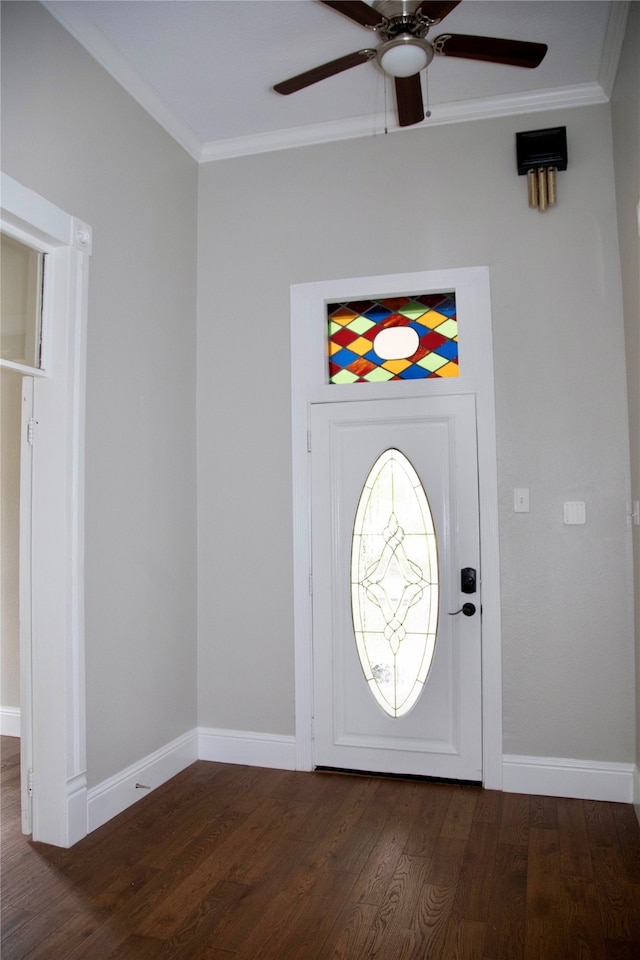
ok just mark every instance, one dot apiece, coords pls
pixel 394 583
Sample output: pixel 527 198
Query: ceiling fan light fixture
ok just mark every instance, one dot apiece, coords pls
pixel 405 56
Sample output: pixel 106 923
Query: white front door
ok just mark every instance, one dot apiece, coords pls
pixel 441 735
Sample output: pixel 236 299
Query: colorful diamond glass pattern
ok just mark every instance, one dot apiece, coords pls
pixel 354 326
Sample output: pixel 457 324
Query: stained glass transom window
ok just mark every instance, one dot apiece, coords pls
pixel 396 338
pixel 394 583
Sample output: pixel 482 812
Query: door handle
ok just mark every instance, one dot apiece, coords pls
pixel 467 608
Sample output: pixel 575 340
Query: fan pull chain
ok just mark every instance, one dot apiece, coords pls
pixel 386 120
pixel 427 111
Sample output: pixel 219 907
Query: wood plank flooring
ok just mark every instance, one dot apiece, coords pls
pixel 239 863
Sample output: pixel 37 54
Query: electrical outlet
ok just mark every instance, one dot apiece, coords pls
pixel 521 500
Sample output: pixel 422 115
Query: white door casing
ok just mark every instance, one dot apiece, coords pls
pixel 310 386
pixel 25 604
pixel 57 681
pixel 441 736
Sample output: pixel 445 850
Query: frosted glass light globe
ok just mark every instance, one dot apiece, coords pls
pixel 404 59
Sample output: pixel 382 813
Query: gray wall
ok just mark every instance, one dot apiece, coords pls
pixel 626 130
pixel 426 199
pixel 73 135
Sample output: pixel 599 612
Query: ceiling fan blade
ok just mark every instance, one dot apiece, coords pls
pixel 515 53
pixel 409 100
pixel 356 10
pixel 322 72
pixel 437 10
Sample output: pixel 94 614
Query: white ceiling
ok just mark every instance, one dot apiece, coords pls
pixel 205 68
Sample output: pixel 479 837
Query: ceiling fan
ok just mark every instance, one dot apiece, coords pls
pixel 402 26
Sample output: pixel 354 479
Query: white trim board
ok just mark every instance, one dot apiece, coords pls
pixel 562 777
pixel 332 131
pixel 119 792
pixel 543 776
pixel 253 749
pixel 636 791
pixel 10 721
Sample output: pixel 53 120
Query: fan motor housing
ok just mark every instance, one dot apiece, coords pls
pixel 390 9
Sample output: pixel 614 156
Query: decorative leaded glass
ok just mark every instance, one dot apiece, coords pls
pixel 394 583
pixel 397 338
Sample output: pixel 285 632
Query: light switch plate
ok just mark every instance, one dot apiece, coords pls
pixel 521 500
pixel 575 512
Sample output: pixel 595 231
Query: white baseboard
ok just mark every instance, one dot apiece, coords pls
pixel 10 721
pixel 254 749
pixel 114 795
pixel 560 777
pixel 543 776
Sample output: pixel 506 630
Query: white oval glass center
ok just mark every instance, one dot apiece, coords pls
pixel 396 343
pixel 394 583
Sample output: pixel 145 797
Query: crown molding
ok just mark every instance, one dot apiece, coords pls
pixel 613 41
pixel 103 51
pixel 535 102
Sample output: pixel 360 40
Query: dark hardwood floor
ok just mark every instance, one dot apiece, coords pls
pixel 240 863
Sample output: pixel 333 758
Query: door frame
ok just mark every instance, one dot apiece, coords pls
pixel 309 385
pixel 25 603
pixel 56 723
